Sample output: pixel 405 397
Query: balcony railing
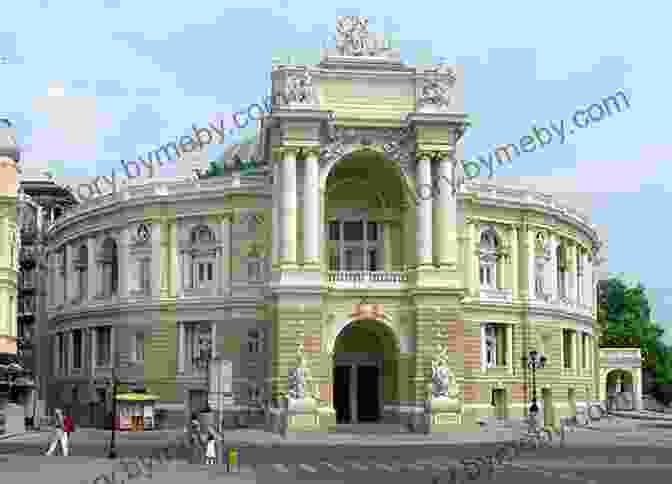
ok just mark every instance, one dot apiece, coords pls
pixel 490 294
pixel 356 279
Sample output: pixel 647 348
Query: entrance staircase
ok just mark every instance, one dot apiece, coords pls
pixel 369 428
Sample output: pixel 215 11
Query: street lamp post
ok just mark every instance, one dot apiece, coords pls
pixel 534 361
pixel 112 454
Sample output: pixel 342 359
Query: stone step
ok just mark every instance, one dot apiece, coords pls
pixel 369 428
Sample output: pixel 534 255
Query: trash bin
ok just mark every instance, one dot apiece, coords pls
pixel 232 459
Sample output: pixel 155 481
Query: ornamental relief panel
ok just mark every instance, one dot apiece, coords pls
pixel 396 144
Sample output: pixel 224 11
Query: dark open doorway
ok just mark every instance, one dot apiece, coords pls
pixel 368 406
pixel 342 393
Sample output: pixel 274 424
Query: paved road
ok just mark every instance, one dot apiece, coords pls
pixel 589 455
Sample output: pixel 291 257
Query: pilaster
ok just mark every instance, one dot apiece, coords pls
pixel 156 258
pixel 91 268
pixel 224 254
pixel 424 236
pixel 514 262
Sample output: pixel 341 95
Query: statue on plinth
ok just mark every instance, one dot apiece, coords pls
pixel 300 379
pixel 444 383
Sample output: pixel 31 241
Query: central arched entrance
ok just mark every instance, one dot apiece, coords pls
pixel 364 372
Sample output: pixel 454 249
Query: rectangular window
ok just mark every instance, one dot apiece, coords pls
pixel 77 348
pixel 372 231
pixel 373 263
pixel 353 231
pixel 567 347
pixel 334 231
pixel 62 353
pixel 201 272
pixel 584 351
pixel 482 272
pixel 103 346
pixel 210 278
pixel 253 341
pixel 139 347
pixel 145 276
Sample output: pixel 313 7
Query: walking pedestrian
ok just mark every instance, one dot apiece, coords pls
pixel 59 435
pixel 210 454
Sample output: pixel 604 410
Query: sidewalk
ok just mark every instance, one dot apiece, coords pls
pixel 31 469
pixel 260 438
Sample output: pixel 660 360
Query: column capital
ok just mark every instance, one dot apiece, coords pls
pixel 312 153
pixel 284 151
pixel 425 155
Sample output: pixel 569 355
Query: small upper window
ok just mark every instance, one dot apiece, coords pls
pixel 202 235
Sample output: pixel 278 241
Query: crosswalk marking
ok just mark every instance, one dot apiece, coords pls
pixel 308 468
pixel 280 467
pixel 333 467
pixel 358 466
pixel 385 467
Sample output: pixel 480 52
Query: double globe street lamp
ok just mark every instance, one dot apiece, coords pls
pixel 534 362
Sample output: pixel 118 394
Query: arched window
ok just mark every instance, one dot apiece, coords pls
pixel 489 259
pixel 82 271
pixel 561 269
pixel 203 258
pixel 254 264
pixel 109 268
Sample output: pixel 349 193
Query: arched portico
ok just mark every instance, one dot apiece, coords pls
pixel 621 378
pixel 365 360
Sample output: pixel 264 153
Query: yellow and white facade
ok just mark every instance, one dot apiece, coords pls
pixel 342 260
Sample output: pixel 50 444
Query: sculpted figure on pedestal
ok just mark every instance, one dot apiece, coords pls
pixel 444 383
pixel 300 380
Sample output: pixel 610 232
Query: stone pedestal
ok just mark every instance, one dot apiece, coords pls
pixel 302 414
pixel 446 414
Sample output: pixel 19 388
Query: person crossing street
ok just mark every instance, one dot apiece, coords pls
pixel 60 435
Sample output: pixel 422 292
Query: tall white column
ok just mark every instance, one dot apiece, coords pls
pixel 311 212
pixel 288 210
pixel 156 259
pixel 275 215
pixel 94 347
pixel 91 268
pixel 124 267
pixel 180 347
pixel 224 251
pixel 445 215
pixel 175 277
pixel 531 264
pixel 423 239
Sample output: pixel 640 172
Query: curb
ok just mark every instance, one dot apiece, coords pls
pixel 11 436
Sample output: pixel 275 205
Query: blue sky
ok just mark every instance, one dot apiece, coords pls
pixel 90 83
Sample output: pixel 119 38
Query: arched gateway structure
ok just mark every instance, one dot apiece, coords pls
pixel 329 287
